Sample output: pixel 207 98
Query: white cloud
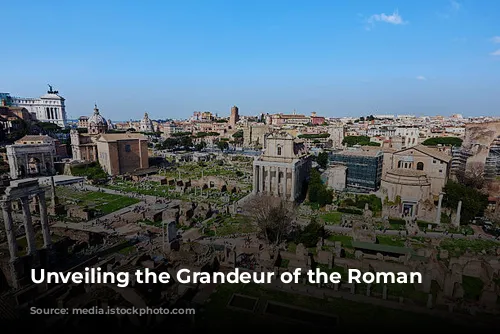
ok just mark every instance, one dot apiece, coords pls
pixel 421 77
pixel 496 53
pixel 393 18
pixel 455 6
pixel 496 40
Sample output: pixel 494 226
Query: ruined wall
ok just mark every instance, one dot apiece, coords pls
pixel 478 138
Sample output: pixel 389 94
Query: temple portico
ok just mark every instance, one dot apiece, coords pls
pixel 23 191
pixel 282 169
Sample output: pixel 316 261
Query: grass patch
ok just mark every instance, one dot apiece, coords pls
pixel 457 247
pixel 332 218
pixel 228 225
pixel 390 240
pixel 344 239
pixel 103 202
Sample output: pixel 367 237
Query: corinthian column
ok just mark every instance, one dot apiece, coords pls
pixel 28 226
pixel 44 220
pixel 9 229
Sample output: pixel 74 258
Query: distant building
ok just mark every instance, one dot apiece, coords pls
pixel 12 121
pixel 336 177
pixel 414 177
pixel 235 117
pixel 117 153
pixel 83 122
pixel 83 145
pixel 283 168
pixel 121 153
pixel 317 120
pixel 32 156
pixel 47 108
pixel 364 167
pixel 146 125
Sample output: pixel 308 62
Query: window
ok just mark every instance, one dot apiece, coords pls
pixel 279 150
pixel 420 166
pixel 440 170
pixel 127 148
pixel 433 161
pixel 399 163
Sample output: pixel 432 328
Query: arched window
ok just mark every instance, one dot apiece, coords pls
pixel 400 163
pixel 420 166
pixel 279 150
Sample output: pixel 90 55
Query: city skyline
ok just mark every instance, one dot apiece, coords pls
pixel 434 58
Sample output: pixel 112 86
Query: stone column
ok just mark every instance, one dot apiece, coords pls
pixel 292 195
pixel 44 220
pixel 438 213
pixel 457 218
pixel 255 179
pixel 9 229
pixel 277 181
pixel 28 226
pixel 262 179
pixel 269 180
pixel 285 176
pixel 53 189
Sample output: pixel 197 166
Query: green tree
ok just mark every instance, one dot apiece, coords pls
pixel 322 159
pixel 445 141
pixel 309 235
pixel 222 145
pixel 474 202
pixel 318 192
pixel 358 140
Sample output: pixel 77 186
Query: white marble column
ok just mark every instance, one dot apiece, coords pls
pixel 44 220
pixel 285 175
pixel 28 226
pixel 292 195
pixel 438 213
pixel 9 229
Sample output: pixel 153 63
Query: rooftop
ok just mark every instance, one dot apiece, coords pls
pixel 110 137
pixel 369 151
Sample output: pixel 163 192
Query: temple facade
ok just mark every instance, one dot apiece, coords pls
pixel 283 168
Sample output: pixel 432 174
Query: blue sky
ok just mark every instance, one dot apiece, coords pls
pixel 338 58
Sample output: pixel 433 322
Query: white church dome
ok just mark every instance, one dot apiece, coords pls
pixel 97 119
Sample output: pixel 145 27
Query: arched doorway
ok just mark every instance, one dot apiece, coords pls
pixel 33 166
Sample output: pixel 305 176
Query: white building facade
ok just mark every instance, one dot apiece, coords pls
pixel 47 108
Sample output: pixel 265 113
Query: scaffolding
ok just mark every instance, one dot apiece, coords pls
pixel 492 163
